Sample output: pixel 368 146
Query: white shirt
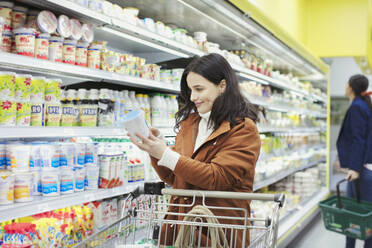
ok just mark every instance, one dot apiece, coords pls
pixel 170 157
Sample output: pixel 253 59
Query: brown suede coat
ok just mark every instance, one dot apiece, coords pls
pixel 224 162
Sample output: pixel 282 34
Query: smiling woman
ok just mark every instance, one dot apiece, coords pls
pixel 216 148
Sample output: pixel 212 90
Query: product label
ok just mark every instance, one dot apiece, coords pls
pixel 81 159
pixel 6 13
pixel 67 118
pixel 7 85
pixel 8 112
pixel 38 88
pixel 22 191
pixel 22 88
pixel 55 161
pixel 63 161
pixel 76 116
pixel 79 184
pixel 52 91
pixel 53 114
pixel 68 54
pixel 94 59
pixel 37 114
pixel 89 158
pixel 41 48
pixel 67 184
pixel 88 116
pixel 18 19
pixel 25 44
pixel 7 43
pixel 23 114
pixel 6 192
pixel 81 56
pixel 49 187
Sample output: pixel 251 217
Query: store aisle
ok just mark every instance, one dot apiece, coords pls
pixel 316 236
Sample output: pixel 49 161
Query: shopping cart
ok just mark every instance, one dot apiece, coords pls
pixel 197 228
pixel 351 217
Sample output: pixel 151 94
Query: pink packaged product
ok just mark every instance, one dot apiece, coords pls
pixel 47 22
pixel 76 30
pixel 64 27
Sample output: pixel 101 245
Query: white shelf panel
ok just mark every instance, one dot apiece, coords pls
pixel 23 63
pixel 290 221
pixel 45 132
pixel 277 177
pixel 289 130
pixel 43 204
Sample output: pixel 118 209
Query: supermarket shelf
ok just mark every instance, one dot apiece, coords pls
pixel 32 65
pixel 263 79
pixel 50 132
pixel 290 130
pixel 289 224
pixel 43 204
pixel 284 174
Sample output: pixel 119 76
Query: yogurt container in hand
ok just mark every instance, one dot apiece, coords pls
pixel 47 22
pixel 134 122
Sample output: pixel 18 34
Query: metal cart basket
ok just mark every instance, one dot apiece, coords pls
pixel 196 228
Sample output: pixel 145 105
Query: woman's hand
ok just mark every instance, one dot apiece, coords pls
pixel 352 175
pixel 152 145
pixel 154 131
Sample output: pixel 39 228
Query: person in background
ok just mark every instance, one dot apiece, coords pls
pixel 354 143
pixel 217 145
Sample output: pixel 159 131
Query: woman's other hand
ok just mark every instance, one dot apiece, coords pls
pixel 152 145
pixel 352 175
pixel 155 132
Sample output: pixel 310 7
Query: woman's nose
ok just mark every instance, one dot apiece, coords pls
pixel 192 96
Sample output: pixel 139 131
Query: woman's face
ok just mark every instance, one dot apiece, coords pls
pixel 348 90
pixel 203 92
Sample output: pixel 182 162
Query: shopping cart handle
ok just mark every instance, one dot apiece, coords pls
pixel 280 198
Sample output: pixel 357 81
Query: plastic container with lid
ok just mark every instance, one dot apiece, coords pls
pixel 69 51
pixel 6 45
pixel 68 155
pixel 91 154
pixel 92 177
pixel 87 33
pixel 19 16
pixel 6 13
pixel 80 154
pixel 25 41
pixel 37 188
pixel 80 174
pixel 50 153
pixel 55 49
pixel 81 54
pixel 19 155
pixel 50 182
pixel 64 27
pixel 67 180
pixel 23 187
pixel 135 122
pixel 76 31
pixel 47 22
pixel 6 187
pixel 42 46
pixel 37 114
pixel 94 56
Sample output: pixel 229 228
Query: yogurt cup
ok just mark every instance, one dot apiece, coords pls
pixel 53 114
pixel 67 181
pixel 94 56
pixel 7 85
pixel 50 182
pixel 37 113
pixel 87 33
pixel 135 121
pixel 19 16
pixel 8 113
pixel 6 41
pixel 19 157
pixel 37 187
pixel 25 41
pixel 64 28
pixel 69 51
pixel 47 22
pixel 81 58
pixel 23 187
pixel 80 174
pixel 50 154
pixel 6 13
pixel 92 177
pixel 23 116
pixel 76 31
pixel 22 87
pixel 53 90
pixel 55 49
pixel 42 46
pixel 6 187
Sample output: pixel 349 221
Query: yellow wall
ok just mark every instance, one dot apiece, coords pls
pixel 337 27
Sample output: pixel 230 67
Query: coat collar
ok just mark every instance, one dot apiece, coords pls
pixel 190 131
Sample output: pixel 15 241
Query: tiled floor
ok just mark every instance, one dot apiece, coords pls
pixel 316 236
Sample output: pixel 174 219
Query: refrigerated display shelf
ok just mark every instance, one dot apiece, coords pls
pixel 50 132
pixel 295 219
pixel 44 204
pixel 113 26
pixel 45 67
pixel 290 130
pixel 277 177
